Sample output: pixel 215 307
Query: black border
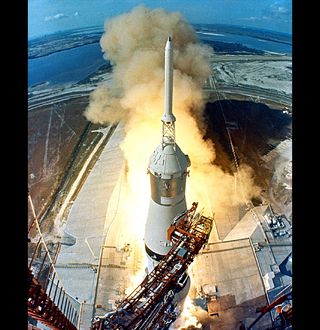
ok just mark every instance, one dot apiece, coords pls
pixel 15 172
pixel 305 168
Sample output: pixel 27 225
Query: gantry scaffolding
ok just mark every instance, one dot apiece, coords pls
pixel 152 305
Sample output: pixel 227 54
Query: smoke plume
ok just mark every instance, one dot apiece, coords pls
pixel 134 43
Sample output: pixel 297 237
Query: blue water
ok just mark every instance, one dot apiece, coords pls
pixel 70 65
pixel 251 42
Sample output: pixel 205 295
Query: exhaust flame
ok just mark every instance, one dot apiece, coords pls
pixel 186 318
pixel 191 317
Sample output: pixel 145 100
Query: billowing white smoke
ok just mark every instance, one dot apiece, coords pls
pixel 134 42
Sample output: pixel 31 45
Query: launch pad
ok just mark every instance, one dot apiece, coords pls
pixel 152 304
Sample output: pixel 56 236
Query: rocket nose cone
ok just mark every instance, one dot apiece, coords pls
pixel 169 43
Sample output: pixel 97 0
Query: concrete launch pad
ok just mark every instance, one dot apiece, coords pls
pixel 87 224
pixel 226 273
pixel 240 273
pixel 121 264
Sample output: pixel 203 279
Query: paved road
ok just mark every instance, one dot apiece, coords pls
pixel 248 58
pixel 52 98
pixel 74 187
pixel 252 92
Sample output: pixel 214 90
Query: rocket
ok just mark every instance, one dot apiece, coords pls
pixel 168 170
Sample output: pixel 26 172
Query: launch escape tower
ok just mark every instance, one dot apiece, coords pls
pixel 168 171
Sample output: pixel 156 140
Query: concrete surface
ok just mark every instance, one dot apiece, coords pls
pixel 77 264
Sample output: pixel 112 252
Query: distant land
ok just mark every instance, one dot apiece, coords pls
pixel 48 44
pixel 221 47
pixel 281 37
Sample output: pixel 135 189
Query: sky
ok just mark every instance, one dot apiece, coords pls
pixel 50 16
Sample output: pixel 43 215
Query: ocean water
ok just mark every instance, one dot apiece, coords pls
pixel 66 66
pixel 75 64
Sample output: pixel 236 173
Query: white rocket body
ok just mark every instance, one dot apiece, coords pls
pixel 168 171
